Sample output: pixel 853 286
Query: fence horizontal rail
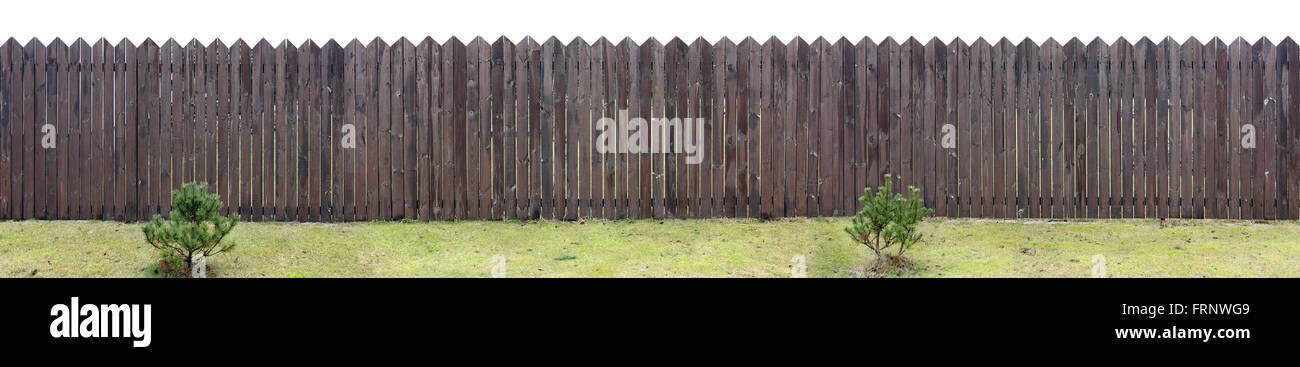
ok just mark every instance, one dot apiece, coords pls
pixel 506 129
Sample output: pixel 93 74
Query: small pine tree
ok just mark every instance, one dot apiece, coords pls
pixel 194 226
pixel 888 220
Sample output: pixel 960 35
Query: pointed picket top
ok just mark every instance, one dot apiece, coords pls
pixel 1145 42
pixel 305 46
pixel 11 46
pixel 1263 42
pixel 866 42
pixel 358 44
pixel 425 43
pixel 239 46
pixel 957 43
pixel 843 42
pixel 1238 44
pixel 1073 50
pixel 725 42
pixel 286 45
pixel 33 43
pixel 911 42
pixel 171 43
pixel 890 42
pixel 500 42
pixel 78 44
pixel 478 42
pixel 1027 47
pixel 1074 42
pixel 1098 48
pixel 402 42
pixel 1188 50
pixel 1120 43
pixel 677 42
pixel 216 42
pixel 1216 42
pixel 747 42
pixel 1050 42
pixel 1261 49
pixel 603 42
pixel 980 43
pixel 552 41
pixel 821 42
pixel 148 43
pixel 574 45
pixel 772 41
pixel 97 49
pixel 1006 46
pixel 1286 42
pixel 626 42
pixel 265 48
pixel 58 42
pixel 1168 41
pixel 1097 43
pixel 194 48
pixel 374 42
pixel 652 42
pixel 938 42
pixel 333 46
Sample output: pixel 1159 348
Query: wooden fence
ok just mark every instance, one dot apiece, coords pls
pixel 504 129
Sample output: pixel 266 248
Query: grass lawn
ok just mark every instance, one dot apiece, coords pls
pixel 669 248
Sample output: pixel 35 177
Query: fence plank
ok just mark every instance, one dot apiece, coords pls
pixel 1258 156
pixel 59 87
pixel 407 129
pixel 10 102
pixel 1179 152
pixel 523 157
pixel 1270 152
pixel 981 130
pixel 454 112
pixel 101 138
pixel 550 69
pixel 1288 61
pixel 776 133
pixel 1051 133
pixel 397 123
pixel 1164 163
pixel 589 180
pixel 1069 64
pixel 504 140
pixel 1096 176
pixel 688 108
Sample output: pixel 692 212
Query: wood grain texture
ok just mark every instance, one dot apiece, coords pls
pixel 508 128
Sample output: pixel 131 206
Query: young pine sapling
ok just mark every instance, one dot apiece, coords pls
pixel 194 227
pixel 888 220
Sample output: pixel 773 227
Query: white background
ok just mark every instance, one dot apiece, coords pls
pixel 639 19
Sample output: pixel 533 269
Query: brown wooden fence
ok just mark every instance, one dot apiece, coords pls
pixel 504 129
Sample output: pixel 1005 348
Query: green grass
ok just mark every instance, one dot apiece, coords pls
pixel 669 248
